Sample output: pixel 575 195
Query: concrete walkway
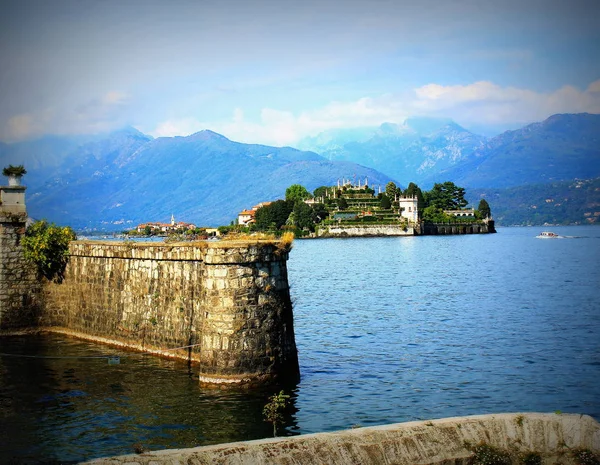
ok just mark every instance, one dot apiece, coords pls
pixel 446 441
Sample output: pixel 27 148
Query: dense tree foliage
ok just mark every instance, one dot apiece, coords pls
pixel 296 193
pixel 273 216
pixel 320 191
pixel 342 203
pixel 413 190
pixel 320 212
pixel 433 214
pixel 391 190
pixel 385 202
pixel 304 216
pixel 446 196
pixel 47 246
pixel 484 209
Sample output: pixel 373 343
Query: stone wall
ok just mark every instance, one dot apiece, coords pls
pixel 551 438
pixel 229 300
pixel 367 230
pixel 457 228
pixel 19 287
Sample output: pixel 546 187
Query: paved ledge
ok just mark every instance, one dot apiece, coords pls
pixel 415 443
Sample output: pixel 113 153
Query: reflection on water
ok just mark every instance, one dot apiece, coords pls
pixel 69 407
pixel 388 330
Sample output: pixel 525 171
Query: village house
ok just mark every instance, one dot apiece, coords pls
pixel 246 217
pixel 157 227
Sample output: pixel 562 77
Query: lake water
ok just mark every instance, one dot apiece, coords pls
pixel 388 330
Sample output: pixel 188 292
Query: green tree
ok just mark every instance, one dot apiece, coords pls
pixel 275 409
pixel 304 216
pixel 273 216
pixel 147 230
pixel 47 246
pixel 391 190
pixel 342 203
pixel 320 212
pixel 321 191
pixel 296 193
pixel 484 209
pixel 414 190
pixel 446 196
pixel 433 214
pixel 385 202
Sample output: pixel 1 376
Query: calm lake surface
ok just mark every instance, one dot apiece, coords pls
pixel 388 330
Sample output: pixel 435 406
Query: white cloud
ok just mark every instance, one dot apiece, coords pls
pixel 479 103
pixel 280 128
pixel 594 87
pixel 487 103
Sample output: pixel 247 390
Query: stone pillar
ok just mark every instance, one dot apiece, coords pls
pixel 247 323
pixel 19 287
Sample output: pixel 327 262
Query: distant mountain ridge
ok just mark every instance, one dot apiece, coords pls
pixel 127 177
pixel 120 179
pixel 562 147
pixel 410 152
pixel 427 150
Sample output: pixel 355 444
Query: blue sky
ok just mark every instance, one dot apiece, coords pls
pixel 273 72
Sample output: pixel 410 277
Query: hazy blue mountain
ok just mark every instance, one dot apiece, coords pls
pixel 410 152
pixel 562 147
pixel 564 202
pixel 126 178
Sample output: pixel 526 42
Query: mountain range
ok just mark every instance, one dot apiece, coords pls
pixel 427 150
pixel 413 151
pixel 117 180
pixel 127 177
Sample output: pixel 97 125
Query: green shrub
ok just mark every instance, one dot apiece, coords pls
pixel 275 408
pixel 11 170
pixel 47 246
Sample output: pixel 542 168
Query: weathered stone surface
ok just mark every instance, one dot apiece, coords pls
pixel 366 230
pixel 416 443
pixel 225 306
pixel 19 287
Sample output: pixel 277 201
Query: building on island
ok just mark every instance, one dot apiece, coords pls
pixel 469 212
pixel 409 208
pixel 246 217
pixel 156 227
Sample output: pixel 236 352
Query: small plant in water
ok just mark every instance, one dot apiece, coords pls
pixel 274 410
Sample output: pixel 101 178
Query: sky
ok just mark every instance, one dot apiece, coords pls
pixel 273 72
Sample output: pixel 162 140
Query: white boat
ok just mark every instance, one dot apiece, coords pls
pixel 547 235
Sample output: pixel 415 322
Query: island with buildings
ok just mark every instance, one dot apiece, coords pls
pixel 350 209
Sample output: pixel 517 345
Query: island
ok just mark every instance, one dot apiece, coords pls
pixel 355 209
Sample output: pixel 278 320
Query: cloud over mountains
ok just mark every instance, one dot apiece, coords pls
pixel 478 104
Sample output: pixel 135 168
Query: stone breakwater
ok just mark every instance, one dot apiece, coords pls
pixel 224 305
pixel 421 229
pixel 551 437
pixel 366 231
